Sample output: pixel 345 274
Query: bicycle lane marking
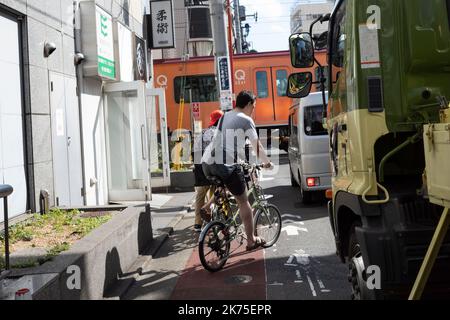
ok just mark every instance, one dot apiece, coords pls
pixel 196 283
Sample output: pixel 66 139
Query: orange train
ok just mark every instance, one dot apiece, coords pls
pixel 265 74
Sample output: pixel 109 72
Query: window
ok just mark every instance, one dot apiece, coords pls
pixel 203 88
pixel 262 85
pixel 199 23
pixel 339 38
pixel 282 82
pixel 313 121
pixel 325 73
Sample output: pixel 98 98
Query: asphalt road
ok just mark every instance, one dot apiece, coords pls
pixel 301 266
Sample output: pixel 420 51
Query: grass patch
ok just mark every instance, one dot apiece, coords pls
pixel 55 232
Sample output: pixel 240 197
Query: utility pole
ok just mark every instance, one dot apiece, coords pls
pixel 222 54
pixel 237 27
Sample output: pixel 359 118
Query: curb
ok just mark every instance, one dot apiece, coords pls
pixel 129 278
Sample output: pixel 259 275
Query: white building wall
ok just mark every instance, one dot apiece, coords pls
pixel 306 11
pixel 129 13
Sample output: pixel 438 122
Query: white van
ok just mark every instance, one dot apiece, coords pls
pixel 309 147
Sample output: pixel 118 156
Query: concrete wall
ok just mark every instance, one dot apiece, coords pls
pixel 53 21
pixel 47 20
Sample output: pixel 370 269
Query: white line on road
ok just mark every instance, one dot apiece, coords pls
pixel 313 290
pixel 276 284
pixel 290 260
pixel 320 284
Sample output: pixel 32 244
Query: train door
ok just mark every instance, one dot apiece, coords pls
pixel 265 111
pixel 282 102
pixel 272 105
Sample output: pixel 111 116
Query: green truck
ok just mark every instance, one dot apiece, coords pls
pixel 388 119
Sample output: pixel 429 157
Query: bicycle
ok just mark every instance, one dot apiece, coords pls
pixel 226 225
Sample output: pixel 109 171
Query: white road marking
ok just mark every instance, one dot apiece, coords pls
pixel 299 276
pixel 320 284
pixel 290 260
pixel 293 230
pixel 302 257
pixel 311 285
pixel 276 284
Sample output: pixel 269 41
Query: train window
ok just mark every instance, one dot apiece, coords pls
pixel 282 81
pixel 203 88
pixel 262 84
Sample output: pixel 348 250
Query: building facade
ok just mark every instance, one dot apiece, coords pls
pixel 306 11
pixel 193 31
pixel 63 136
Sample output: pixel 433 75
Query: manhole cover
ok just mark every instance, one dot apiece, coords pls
pixel 242 279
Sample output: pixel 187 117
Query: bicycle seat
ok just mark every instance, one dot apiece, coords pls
pixel 216 181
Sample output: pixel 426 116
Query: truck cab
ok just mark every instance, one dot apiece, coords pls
pixel 309 156
pixel 389 71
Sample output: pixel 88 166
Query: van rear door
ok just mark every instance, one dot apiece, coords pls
pixel 314 142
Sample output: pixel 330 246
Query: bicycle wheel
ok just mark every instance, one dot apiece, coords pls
pixel 268 224
pixel 214 246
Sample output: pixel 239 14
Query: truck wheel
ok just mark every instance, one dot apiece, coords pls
pixel 307 196
pixel 357 268
pixel 293 181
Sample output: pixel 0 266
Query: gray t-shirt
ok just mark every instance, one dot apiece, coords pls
pixel 228 145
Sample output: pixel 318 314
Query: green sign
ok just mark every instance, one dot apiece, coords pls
pixel 105 45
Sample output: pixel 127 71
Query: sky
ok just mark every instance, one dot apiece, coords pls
pixel 272 31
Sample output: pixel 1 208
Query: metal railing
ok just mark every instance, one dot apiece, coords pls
pixel 5 191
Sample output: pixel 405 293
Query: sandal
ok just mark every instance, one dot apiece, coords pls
pixel 260 242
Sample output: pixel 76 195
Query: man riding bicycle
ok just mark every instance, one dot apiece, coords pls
pixel 227 149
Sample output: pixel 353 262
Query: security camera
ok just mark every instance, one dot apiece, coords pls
pixel 79 58
pixel 49 48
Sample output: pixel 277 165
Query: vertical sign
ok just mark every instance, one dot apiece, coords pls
pixel 163 30
pixel 105 44
pixel 226 99
pixel 140 61
pixel 196 111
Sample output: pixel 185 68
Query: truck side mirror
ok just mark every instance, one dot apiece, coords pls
pixel 302 50
pixel 299 85
pixel 321 43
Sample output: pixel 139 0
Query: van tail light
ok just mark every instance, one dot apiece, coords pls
pixel 329 194
pixel 313 182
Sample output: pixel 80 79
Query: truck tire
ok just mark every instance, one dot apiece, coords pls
pixel 356 268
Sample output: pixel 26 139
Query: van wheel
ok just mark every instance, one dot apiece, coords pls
pixel 293 181
pixel 306 196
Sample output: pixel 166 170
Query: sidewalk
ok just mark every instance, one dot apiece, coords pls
pixel 167 211
pixel 168 208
